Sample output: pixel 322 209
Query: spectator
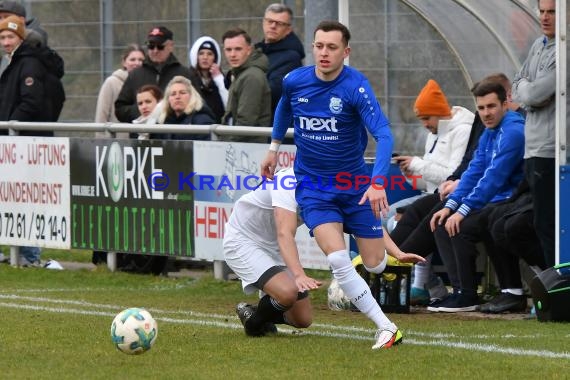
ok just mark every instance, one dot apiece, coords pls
pixel 249 99
pixel 183 105
pixel 35 35
pixel 132 57
pixel 158 68
pixel 149 104
pixel 534 86
pixel 491 177
pixel 282 47
pixel 446 141
pixel 24 87
pixel 332 107
pixel 207 78
pixel 27 88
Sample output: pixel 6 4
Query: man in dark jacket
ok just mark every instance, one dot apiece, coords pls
pixel 158 68
pixel 34 32
pixel 281 46
pixel 24 86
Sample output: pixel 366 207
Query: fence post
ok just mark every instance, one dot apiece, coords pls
pixel 221 270
pixel 15 256
pixel 112 261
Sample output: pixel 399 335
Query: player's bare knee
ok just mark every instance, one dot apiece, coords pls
pixel 304 322
pixel 287 296
pixel 283 290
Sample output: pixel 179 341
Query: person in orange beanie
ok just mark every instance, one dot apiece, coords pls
pixel 448 128
pixel 446 141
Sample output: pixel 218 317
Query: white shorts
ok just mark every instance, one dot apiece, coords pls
pixel 247 259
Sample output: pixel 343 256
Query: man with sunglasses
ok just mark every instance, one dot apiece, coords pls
pixel 282 47
pixel 158 68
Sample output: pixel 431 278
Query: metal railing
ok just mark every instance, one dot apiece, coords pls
pixel 215 131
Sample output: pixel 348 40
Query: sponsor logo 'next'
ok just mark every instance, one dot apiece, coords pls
pixel 317 124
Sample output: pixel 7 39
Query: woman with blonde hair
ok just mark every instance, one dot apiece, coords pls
pixel 182 104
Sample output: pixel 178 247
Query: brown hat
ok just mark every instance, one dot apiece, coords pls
pixel 14 24
pixel 431 101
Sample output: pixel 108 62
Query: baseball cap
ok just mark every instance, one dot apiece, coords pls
pixel 159 35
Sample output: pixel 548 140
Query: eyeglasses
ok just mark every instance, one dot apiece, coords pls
pixel 280 24
pixel 154 46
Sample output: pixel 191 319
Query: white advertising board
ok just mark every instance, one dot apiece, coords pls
pixel 34 191
pixel 232 169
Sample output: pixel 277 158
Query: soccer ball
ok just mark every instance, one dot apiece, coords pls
pixel 336 299
pixel 134 331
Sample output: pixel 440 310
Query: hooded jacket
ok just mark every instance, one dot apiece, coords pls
pixel 284 56
pixel 213 92
pixel 249 99
pixel 30 84
pixel 444 150
pixel 105 110
pixel 496 168
pixel 126 108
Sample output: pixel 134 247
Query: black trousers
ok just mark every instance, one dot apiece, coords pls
pixel 413 233
pixel 459 253
pixel 512 238
pixel 539 173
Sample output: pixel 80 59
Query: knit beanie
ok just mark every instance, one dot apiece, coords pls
pixel 14 24
pixel 209 46
pixel 431 101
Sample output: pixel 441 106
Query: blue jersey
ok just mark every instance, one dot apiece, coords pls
pixel 330 119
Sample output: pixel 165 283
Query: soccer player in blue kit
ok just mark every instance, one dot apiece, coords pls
pixel 331 106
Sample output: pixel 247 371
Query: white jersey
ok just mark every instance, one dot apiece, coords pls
pixel 252 216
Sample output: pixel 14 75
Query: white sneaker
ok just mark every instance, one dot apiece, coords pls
pixel 52 264
pixel 386 338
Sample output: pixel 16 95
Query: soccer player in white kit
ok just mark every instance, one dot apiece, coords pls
pixel 259 246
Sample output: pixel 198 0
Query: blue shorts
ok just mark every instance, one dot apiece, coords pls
pixel 320 207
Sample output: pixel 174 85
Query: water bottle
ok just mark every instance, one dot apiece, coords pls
pixel 391 298
pixel 403 288
pixel 382 297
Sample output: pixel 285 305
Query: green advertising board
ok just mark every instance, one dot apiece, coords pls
pixel 132 196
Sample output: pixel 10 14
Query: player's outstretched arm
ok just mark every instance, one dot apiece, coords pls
pixel 286 225
pixel 269 163
pixel 398 254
